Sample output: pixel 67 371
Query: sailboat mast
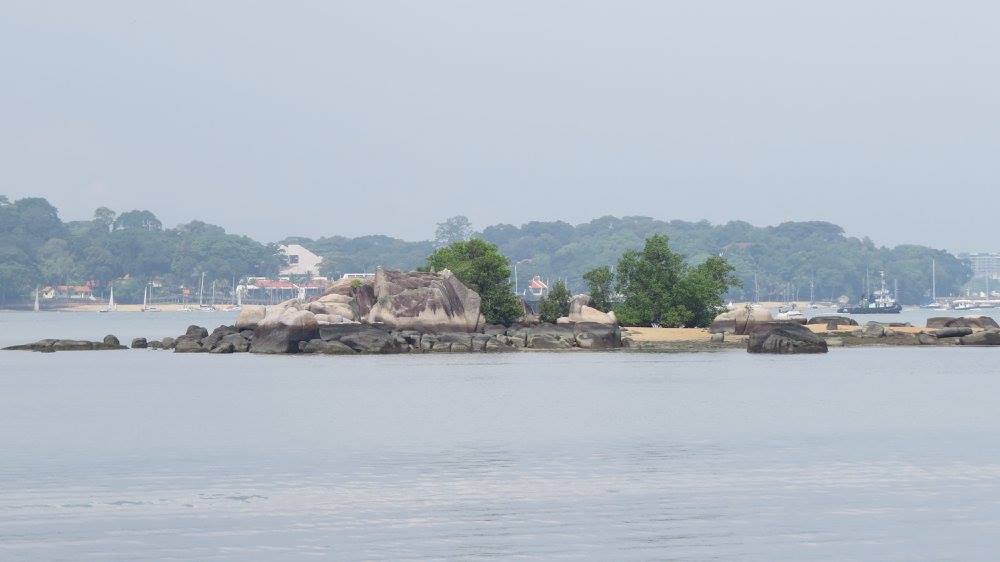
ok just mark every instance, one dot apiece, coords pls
pixel 934 280
pixel 37 307
pixel 201 291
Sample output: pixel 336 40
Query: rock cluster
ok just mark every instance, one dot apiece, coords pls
pixel 51 345
pixel 785 339
pixel 353 338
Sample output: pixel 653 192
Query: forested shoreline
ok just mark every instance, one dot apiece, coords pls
pixel 133 247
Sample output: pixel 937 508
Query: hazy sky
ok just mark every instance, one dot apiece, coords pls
pixel 322 118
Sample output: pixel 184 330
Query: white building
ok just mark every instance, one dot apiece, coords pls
pixel 299 261
pixel 984 264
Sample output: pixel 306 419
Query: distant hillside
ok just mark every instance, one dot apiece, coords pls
pixel 785 257
pixel 133 247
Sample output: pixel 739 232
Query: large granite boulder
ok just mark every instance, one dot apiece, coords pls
pixel 840 320
pixel 429 302
pixel 977 322
pixel 741 320
pixel 239 343
pixel 217 335
pixel 877 330
pixel 196 332
pixel 581 311
pixel 250 316
pixel 324 347
pixel 332 312
pixel 785 339
pixel 281 330
pixel 189 344
pixel 984 337
pixel 551 336
pixel 363 338
pixel 939 321
pixel 372 341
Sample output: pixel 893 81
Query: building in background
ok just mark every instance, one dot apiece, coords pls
pixel 984 264
pixel 299 261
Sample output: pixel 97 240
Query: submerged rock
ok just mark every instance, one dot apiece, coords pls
pixel 50 345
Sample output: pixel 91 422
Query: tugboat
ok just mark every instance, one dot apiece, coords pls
pixel 879 302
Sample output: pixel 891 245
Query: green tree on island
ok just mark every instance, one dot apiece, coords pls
pixel 660 288
pixel 600 284
pixel 555 304
pixel 480 266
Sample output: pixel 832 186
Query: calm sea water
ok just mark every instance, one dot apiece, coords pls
pixel 874 454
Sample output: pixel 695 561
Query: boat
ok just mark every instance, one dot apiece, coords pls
pixel 963 304
pixel 201 295
pixel 145 301
pixel 933 304
pixel 111 301
pixel 790 315
pixel 879 302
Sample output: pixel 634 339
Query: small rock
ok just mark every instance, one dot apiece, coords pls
pixel 140 343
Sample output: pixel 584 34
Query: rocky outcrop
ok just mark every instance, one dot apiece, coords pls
pixel 785 339
pixel 741 320
pixel 51 345
pixel 428 302
pixel 283 328
pixel 358 294
pixel 840 320
pixel 984 337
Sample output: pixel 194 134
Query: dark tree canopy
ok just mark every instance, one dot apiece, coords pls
pixel 482 268
pixel 659 288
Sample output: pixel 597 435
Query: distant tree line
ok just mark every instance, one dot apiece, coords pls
pixel 36 247
pixel 129 249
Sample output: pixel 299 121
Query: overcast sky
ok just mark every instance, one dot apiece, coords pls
pixel 323 118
